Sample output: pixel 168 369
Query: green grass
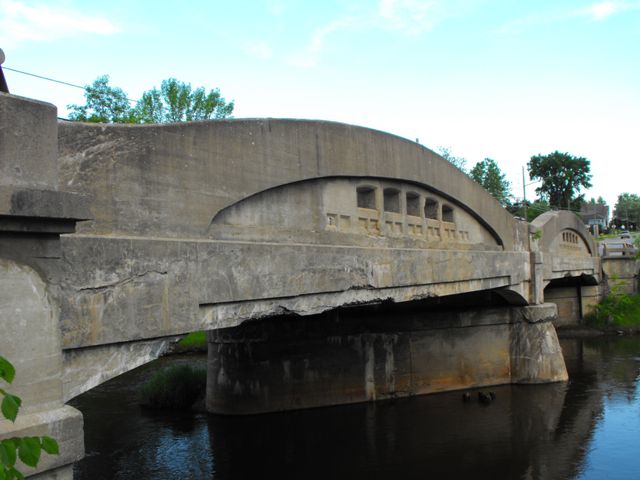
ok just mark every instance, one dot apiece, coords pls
pixel 176 387
pixel 194 342
pixel 618 310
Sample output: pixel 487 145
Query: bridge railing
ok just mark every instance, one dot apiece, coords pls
pixel 618 250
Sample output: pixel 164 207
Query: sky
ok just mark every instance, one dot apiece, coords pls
pixel 501 79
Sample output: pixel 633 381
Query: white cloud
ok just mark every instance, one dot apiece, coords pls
pixel 307 57
pixel 595 12
pixel 23 22
pixel 409 17
pixel 260 50
pixel 602 10
pixel 598 11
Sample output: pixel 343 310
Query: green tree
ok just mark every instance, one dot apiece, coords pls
pixel 27 449
pixel 562 176
pixel 627 209
pixel 175 101
pixel 104 104
pixel 488 174
pixel 459 162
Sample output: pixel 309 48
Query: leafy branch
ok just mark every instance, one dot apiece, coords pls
pixel 27 449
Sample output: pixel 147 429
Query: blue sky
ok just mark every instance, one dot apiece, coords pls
pixel 485 78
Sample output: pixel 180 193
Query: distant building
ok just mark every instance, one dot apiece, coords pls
pixel 595 214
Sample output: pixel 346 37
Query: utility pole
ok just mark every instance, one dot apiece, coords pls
pixel 524 196
pixel 3 82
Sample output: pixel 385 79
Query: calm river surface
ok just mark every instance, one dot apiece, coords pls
pixel 588 428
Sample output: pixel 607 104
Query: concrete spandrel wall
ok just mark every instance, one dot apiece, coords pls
pixel 570 243
pixel 172 180
pixel 327 211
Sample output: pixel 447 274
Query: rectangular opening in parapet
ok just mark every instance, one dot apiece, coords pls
pixel 447 213
pixel 366 197
pixel 413 204
pixel 431 208
pixel 392 200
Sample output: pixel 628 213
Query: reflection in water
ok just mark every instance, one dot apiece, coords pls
pixel 586 429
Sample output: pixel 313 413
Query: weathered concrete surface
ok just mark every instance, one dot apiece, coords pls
pixel 65 425
pixel 567 269
pixel 574 302
pixel 621 273
pixel 33 214
pixel 86 368
pixel 28 143
pixel 536 356
pixel 291 362
pixel 566 246
pixel 172 287
pixel 31 341
pixel 210 225
pixel 171 180
pixel 188 219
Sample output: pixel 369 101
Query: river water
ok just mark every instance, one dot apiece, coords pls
pixel 588 428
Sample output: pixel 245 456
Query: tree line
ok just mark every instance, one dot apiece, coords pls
pixel 174 101
pixel 562 175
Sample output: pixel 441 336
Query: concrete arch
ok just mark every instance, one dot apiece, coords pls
pixel 567 247
pixel 170 180
pixel 553 223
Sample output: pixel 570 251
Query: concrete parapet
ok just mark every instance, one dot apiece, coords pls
pixel 28 143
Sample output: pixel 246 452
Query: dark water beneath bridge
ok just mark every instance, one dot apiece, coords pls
pixel 588 428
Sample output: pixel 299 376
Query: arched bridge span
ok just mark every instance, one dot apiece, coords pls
pixel 211 225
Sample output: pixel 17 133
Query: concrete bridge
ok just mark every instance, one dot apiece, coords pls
pixel 330 263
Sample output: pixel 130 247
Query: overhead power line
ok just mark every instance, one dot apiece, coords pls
pixel 49 79
pixel 44 78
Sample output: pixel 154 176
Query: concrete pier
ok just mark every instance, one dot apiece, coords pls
pixel 342 357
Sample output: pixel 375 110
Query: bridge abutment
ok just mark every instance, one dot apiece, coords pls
pixel 344 356
pixel 33 214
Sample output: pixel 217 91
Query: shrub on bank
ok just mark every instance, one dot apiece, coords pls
pixel 618 310
pixel 175 387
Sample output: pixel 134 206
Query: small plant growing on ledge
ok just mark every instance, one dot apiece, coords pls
pixel 176 387
pixel 27 449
